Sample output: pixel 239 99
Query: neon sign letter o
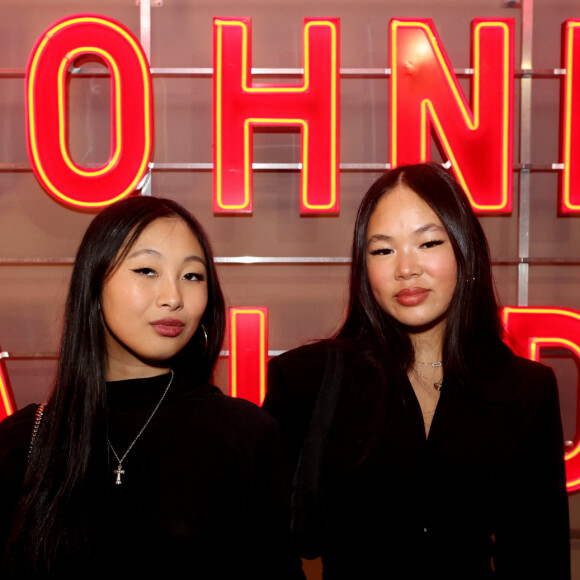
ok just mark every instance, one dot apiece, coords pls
pixel 46 111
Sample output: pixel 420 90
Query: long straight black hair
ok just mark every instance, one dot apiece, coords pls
pixel 473 324
pixel 52 516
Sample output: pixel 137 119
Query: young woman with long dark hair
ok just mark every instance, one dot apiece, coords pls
pixel 137 467
pixel 423 447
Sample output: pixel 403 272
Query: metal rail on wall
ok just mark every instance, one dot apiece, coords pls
pixel 527 7
pixel 279 260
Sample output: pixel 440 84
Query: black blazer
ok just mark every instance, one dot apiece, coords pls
pixel 483 496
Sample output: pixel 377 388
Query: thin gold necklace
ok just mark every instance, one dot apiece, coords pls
pixel 437 384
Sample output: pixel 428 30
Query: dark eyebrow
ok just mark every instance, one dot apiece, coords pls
pixel 429 228
pixel 156 254
pixel 195 259
pixel 145 252
pixel 420 230
pixel 379 238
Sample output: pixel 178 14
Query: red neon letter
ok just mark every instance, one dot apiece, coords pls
pixel 7 405
pixel 240 105
pixel 570 147
pixel 425 94
pixel 534 328
pixel 46 111
pixel 248 353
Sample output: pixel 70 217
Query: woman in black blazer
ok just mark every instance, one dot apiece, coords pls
pixel 421 446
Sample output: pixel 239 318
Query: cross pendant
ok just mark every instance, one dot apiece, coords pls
pixel 118 472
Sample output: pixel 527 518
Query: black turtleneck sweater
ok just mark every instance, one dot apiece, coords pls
pixel 204 489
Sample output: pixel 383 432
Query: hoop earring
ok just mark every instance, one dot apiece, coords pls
pixel 206 340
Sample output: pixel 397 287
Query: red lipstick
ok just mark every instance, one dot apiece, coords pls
pixel 411 296
pixel 169 327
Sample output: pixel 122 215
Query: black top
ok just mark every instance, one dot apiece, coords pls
pixel 482 497
pixel 203 493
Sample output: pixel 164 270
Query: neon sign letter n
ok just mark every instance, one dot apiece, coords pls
pixel 240 105
pixel 426 95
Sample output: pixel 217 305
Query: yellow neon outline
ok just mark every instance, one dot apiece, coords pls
pixel 535 346
pixel 234 351
pixel 573 485
pixel 32 113
pixel 62 71
pixel 218 117
pixel 471 120
pixel 4 395
pixel 507 310
pixel 534 352
pixel 570 26
pixel 247 153
pixel 265 89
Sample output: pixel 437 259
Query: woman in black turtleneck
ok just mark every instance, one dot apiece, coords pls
pixel 137 467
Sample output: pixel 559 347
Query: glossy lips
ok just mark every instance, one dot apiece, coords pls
pixel 411 296
pixel 169 327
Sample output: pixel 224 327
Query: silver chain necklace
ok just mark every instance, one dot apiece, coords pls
pixel 120 471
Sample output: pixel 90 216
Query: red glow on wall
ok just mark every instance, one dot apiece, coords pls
pixel 426 96
pixel 535 328
pixel 7 405
pixel 240 105
pixel 47 75
pixel 248 331
pixel 570 105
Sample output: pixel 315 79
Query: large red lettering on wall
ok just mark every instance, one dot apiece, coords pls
pixel 534 328
pixel 240 105
pixel 570 119
pixel 426 96
pixel 47 75
pixel 7 405
pixel 248 331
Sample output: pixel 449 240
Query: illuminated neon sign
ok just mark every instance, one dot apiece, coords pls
pixel 7 405
pixel 248 332
pixel 535 328
pixel 240 106
pixel 426 96
pixel 425 99
pixel 47 75
pixel 570 144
